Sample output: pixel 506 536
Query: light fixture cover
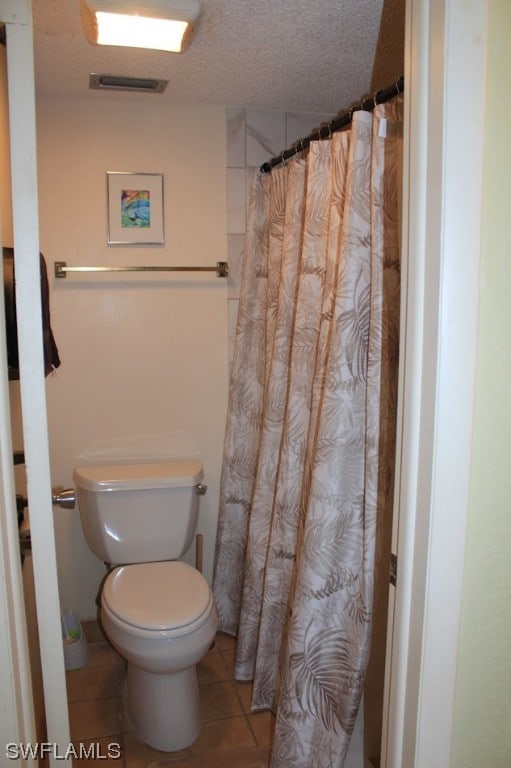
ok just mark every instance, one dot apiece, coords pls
pixel 165 25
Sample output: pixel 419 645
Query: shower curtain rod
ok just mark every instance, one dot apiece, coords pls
pixel 326 130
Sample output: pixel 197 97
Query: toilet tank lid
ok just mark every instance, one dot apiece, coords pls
pixel 130 477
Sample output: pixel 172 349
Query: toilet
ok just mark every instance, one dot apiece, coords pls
pixel 157 611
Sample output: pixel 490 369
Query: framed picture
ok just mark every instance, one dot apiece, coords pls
pixel 135 208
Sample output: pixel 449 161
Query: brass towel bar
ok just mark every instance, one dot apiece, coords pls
pixel 221 269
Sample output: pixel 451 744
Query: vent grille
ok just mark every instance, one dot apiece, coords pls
pixel 121 83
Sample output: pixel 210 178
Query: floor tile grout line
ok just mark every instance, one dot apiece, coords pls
pixel 225 655
pixel 251 730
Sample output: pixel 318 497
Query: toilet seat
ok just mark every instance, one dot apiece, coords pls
pixel 160 597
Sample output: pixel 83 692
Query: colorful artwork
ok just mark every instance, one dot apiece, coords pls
pixel 135 208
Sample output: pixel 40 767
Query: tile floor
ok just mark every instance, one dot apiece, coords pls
pixel 231 736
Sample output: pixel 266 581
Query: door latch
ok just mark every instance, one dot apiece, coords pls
pixel 393 569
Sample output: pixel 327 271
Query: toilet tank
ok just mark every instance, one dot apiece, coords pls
pixel 139 513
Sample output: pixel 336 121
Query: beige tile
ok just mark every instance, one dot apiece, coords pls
pixel 102 655
pixel 235 125
pixel 125 726
pixel 219 700
pixel 228 657
pixel 228 739
pixel 265 134
pixel 224 642
pixel 263 727
pixel 235 254
pixel 244 692
pixel 102 682
pixel 218 735
pixel 140 755
pixel 94 719
pixel 212 669
pixel 93 632
pixel 236 201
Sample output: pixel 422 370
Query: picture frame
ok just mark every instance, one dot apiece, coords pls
pixel 135 208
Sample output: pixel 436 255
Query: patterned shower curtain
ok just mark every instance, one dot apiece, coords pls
pixel 309 444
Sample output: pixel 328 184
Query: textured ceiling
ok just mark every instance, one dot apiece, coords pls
pixel 298 55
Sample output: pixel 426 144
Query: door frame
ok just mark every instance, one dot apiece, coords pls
pixel 444 70
pixel 445 54
pixel 17 16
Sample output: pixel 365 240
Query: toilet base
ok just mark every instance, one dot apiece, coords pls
pixel 164 710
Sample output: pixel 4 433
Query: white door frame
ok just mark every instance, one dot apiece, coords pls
pixel 444 82
pixel 17 15
pixel 17 723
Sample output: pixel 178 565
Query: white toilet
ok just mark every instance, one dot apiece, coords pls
pixel 156 611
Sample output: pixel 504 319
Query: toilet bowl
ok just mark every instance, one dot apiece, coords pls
pixel 156 610
pixel 161 618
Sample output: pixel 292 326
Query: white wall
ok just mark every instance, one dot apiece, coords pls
pixel 144 357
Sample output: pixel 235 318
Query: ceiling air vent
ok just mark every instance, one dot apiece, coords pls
pixel 121 83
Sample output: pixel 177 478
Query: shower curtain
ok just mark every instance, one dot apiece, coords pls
pixel 309 444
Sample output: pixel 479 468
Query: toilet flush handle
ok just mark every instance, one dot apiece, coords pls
pixel 64 497
pixel 200 489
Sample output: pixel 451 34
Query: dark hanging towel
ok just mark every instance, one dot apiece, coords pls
pixel 51 355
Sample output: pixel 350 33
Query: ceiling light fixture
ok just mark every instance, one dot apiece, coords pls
pixel 163 25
